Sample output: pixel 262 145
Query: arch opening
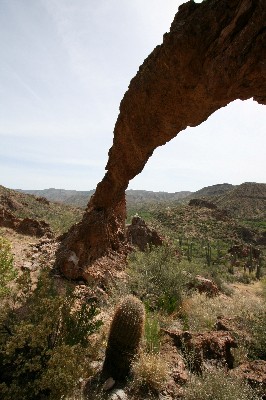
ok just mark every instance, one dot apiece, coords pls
pixel 228 147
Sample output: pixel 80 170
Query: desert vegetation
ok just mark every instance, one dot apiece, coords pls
pixel 44 333
pixel 55 341
pixel 183 320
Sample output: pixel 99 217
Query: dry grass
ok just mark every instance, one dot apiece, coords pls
pixel 201 311
pixel 150 372
pixel 218 385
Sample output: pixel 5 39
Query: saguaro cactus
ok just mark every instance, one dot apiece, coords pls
pixel 124 338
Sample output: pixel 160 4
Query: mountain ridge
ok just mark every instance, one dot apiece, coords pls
pixel 79 198
pixel 247 200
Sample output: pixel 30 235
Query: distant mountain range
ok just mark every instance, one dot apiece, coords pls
pixel 247 200
pixel 80 198
pixel 70 197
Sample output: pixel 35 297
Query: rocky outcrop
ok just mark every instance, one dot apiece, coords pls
pixel 201 203
pixel 213 54
pixel 140 235
pixel 26 226
pixel 206 346
pixel 204 285
pixel 32 227
pixel 254 372
pixel 7 219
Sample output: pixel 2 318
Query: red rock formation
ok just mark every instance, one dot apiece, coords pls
pixel 205 346
pixel 213 54
pixel 26 226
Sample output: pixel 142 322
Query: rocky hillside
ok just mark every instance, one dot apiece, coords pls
pixel 201 221
pixel 20 205
pixel 212 191
pixel 246 201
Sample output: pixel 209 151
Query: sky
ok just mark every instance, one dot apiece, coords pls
pixel 64 68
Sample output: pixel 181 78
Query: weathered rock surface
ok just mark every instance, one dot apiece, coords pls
pixel 32 227
pixel 213 54
pixel 204 285
pixel 26 226
pixel 201 347
pixel 177 367
pixel 141 236
pixel 255 374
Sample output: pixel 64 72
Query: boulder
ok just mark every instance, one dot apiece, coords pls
pixel 204 285
pixel 8 220
pixel 141 236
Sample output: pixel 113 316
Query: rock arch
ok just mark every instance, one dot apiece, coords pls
pixel 214 53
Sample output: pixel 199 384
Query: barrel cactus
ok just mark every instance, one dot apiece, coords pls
pixel 125 334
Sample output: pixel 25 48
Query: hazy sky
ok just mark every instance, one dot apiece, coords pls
pixel 64 68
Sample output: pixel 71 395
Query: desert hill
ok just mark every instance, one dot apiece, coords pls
pixel 246 201
pixel 212 191
pixel 228 213
pixel 20 205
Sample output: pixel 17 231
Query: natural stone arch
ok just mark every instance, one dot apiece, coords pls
pixel 214 54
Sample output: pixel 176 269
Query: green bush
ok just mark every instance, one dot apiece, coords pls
pixel 45 346
pixel 255 326
pixel 218 385
pixel 7 271
pixel 158 278
pixel 152 334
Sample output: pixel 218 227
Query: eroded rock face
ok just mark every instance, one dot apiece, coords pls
pixel 213 54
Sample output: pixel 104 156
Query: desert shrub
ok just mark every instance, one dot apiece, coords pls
pixel 7 271
pixel 157 278
pixel 218 385
pixel 150 372
pixel 44 342
pixel 200 312
pixel 255 324
pixel 152 333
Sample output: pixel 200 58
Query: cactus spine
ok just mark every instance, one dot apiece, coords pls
pixel 125 334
